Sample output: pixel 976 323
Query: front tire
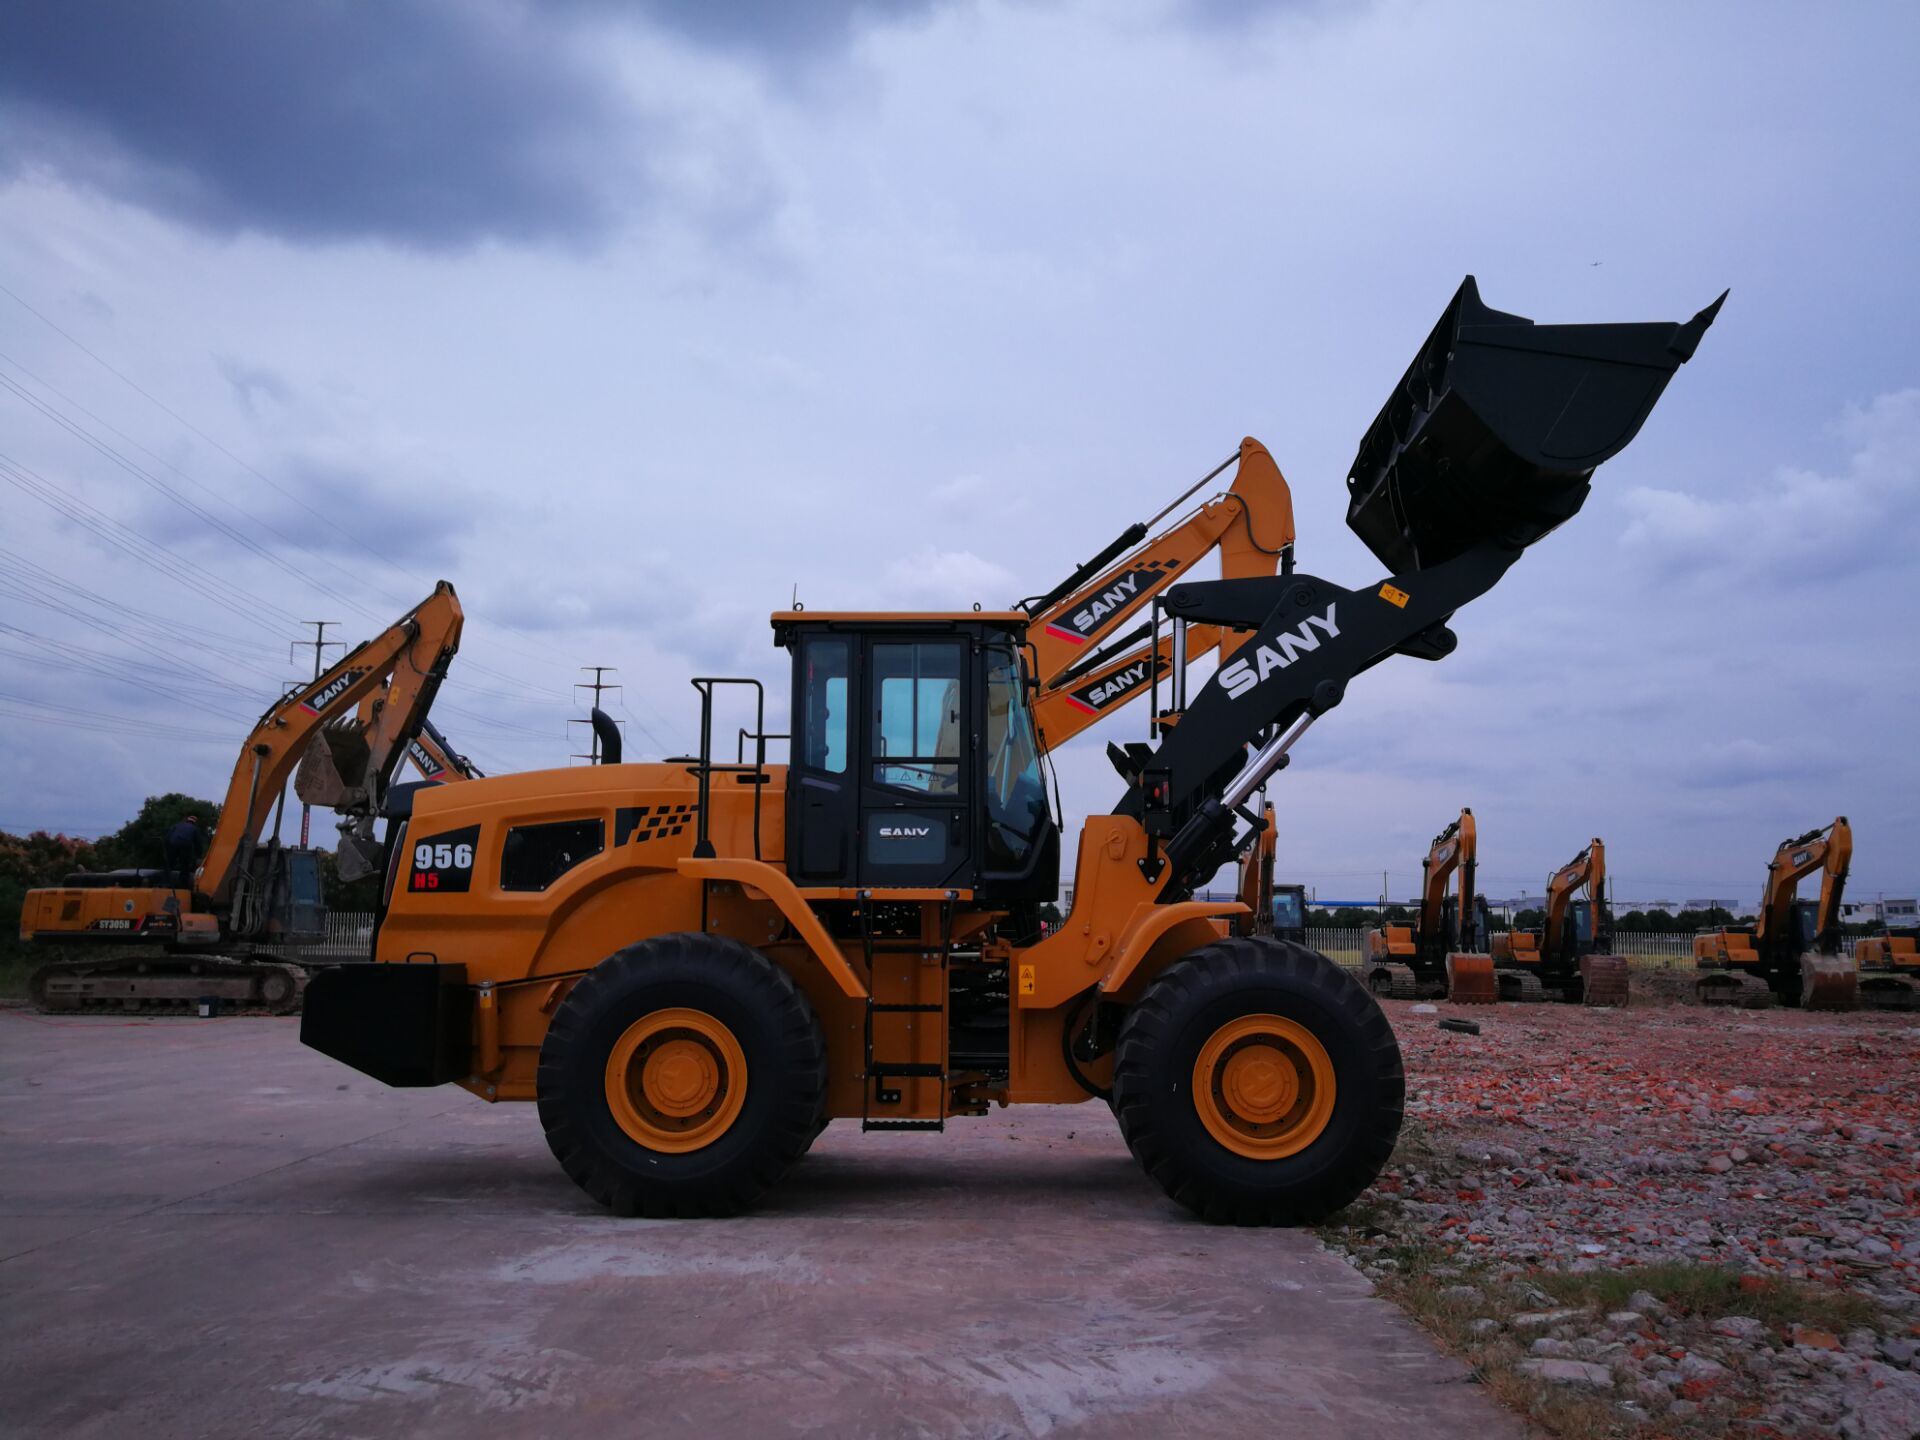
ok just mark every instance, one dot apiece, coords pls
pixel 683 1076
pixel 1259 1083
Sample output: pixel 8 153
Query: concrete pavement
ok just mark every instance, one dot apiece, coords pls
pixel 206 1229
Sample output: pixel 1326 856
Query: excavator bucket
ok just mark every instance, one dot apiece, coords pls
pixel 1496 428
pixel 1470 980
pixel 333 772
pixel 1603 980
pixel 1829 982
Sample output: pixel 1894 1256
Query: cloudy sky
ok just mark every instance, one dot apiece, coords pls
pixel 630 319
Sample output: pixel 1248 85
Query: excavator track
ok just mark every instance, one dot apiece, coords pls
pixel 168 984
pixel 1392 982
pixel 1887 991
pixel 1519 986
pixel 1829 982
pixel 1732 988
pixel 1603 980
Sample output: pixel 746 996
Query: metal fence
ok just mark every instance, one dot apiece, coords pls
pixel 349 937
pixel 1646 950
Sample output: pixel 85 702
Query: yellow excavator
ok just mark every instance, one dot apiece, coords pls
pixel 1889 966
pixel 1791 953
pixel 1570 957
pixel 160 943
pixel 1443 952
pixel 690 967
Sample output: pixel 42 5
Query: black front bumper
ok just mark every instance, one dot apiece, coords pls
pixel 405 1025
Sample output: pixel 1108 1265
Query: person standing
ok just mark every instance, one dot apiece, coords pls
pixel 184 844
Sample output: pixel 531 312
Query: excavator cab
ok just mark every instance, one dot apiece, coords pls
pixel 915 764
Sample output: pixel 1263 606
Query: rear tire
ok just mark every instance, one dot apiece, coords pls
pixel 683 1076
pixel 1259 1083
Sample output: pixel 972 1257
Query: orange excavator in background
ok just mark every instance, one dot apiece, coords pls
pixel 436 761
pixel 1442 953
pixel 164 944
pixel 1570 957
pixel 1791 953
pixel 1085 667
pixel 1889 968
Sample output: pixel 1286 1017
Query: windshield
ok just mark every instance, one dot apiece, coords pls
pixel 1288 914
pixel 1017 812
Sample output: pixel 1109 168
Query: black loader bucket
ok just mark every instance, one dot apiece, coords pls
pixel 1496 428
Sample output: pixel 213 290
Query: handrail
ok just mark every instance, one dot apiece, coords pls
pixel 704 771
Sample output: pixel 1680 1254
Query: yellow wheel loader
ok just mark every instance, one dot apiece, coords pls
pixel 161 941
pixel 692 966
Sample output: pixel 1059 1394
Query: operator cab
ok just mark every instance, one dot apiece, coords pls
pixel 914 760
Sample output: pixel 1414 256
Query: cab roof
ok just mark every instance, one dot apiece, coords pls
pixel 787 622
pixel 1016 618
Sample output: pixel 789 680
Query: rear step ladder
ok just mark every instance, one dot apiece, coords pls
pixel 876 1073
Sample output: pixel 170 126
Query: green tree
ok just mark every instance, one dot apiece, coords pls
pixel 362 894
pixel 141 843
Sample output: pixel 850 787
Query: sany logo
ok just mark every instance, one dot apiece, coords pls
pixel 1095 608
pixel 1248 671
pixel 315 703
pixel 1096 697
pixel 904 832
pixel 424 762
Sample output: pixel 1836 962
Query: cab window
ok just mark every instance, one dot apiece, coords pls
pixel 915 742
pixel 825 698
pixel 534 856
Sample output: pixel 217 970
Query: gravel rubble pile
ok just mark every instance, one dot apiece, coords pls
pixel 1569 1141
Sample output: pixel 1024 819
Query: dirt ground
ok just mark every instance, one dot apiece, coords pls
pixel 1663 1219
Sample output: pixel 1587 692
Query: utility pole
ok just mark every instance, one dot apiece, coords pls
pixel 319 645
pixel 599 685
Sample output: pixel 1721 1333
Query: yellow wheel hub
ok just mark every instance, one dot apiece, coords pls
pixel 1263 1086
pixel 676 1080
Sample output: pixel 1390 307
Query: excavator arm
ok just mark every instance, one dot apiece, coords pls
pixel 1828 850
pixel 1252 526
pixel 345 761
pixel 436 760
pixel 1454 848
pixel 1589 869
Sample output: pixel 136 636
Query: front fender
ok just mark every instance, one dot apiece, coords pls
pixel 1157 935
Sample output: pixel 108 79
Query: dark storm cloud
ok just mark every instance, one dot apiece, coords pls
pixel 434 124
pixel 402 518
pixel 771 30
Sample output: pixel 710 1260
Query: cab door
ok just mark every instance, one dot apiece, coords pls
pixel 823 788
pixel 916 827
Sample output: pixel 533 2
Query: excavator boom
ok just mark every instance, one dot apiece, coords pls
pixel 1251 524
pixel 343 763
